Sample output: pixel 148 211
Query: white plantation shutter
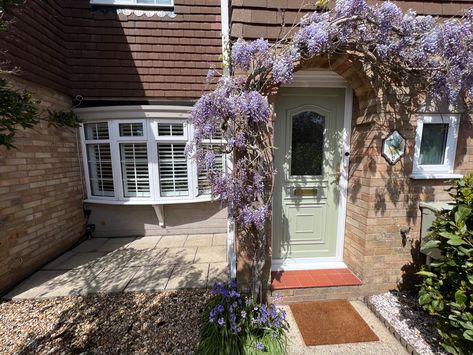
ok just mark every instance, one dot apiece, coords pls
pixel 96 131
pixel 100 169
pixel 203 184
pixel 131 129
pixel 135 172
pixel 173 169
pixel 171 129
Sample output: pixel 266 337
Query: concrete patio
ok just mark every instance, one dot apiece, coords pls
pixel 102 265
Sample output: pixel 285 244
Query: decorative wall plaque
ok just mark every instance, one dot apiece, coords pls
pixel 394 147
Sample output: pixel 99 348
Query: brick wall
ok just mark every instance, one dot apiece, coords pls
pixel 40 194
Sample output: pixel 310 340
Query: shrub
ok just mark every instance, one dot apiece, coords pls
pixel 233 323
pixel 447 288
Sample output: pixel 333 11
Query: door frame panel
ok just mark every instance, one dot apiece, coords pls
pixel 326 79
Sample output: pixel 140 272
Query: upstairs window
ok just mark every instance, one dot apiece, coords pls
pixel 146 3
pixel 436 143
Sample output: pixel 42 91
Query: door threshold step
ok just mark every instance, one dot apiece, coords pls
pixel 281 280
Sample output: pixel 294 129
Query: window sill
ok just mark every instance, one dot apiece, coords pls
pixel 432 176
pixel 147 202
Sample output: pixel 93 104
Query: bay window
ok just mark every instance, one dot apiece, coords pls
pixel 436 142
pixel 137 155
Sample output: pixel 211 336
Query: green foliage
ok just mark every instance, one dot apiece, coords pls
pixel 20 110
pixel 234 324
pixel 447 288
pixel 17 109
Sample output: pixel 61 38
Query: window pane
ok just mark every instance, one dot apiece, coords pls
pixel 204 187
pixel 307 143
pixel 100 169
pixel 433 143
pixel 131 129
pixel 171 129
pixel 173 169
pixel 96 130
pixel 135 174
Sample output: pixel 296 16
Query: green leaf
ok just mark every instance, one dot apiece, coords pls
pixel 431 244
pixel 462 213
pixel 455 241
pixel 468 335
pixel 460 297
pixel 426 273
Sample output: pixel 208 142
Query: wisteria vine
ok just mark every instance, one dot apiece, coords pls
pixel 234 118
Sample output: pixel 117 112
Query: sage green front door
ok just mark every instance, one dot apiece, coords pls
pixel 308 140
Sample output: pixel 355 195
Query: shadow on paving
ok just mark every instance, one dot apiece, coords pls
pixel 123 269
pixel 144 323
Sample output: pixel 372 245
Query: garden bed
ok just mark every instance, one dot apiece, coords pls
pixel 141 323
pixel 404 316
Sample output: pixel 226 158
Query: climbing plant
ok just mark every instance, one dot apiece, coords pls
pixel 18 109
pixel 437 56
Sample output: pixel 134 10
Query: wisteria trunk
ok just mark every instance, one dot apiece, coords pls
pixel 258 268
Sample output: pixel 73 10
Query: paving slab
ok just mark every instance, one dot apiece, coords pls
pixel 387 344
pixel 211 254
pixel 144 243
pixel 172 241
pixel 175 255
pixel 90 245
pixel 71 283
pixel 112 280
pixel 32 286
pixel 218 272
pixel 219 240
pixel 153 278
pixel 80 260
pixel 59 262
pixel 199 240
pixel 115 243
pixel 188 276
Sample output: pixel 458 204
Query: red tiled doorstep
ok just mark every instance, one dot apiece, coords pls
pixel 313 278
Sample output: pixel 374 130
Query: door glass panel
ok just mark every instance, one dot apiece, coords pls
pixel 433 144
pixel 307 143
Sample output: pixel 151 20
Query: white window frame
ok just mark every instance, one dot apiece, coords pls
pixel 84 143
pixel 133 3
pixel 149 116
pixel 445 170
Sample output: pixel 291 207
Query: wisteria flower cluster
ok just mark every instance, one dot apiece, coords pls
pixel 235 318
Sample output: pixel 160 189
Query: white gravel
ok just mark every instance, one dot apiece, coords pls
pixel 403 312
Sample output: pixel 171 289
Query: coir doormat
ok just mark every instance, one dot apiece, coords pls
pixel 331 322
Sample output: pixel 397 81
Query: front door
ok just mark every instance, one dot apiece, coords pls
pixel 308 140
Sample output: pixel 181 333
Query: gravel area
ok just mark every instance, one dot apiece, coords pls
pixel 403 312
pixel 126 323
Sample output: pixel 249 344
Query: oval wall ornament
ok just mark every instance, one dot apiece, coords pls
pixel 394 147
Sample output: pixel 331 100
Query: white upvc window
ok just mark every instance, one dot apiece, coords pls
pixel 141 160
pixel 436 144
pixel 140 3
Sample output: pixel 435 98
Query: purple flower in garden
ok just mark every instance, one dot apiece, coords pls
pixel 243 314
pixel 350 7
pixel 240 140
pixel 253 106
pixel 221 321
pixel 242 52
pixel 259 346
pixel 282 71
pixel 210 74
pixel 219 308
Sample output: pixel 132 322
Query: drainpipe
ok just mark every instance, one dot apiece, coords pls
pixel 225 24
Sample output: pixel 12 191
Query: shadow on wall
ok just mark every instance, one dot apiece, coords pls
pixel 193 218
